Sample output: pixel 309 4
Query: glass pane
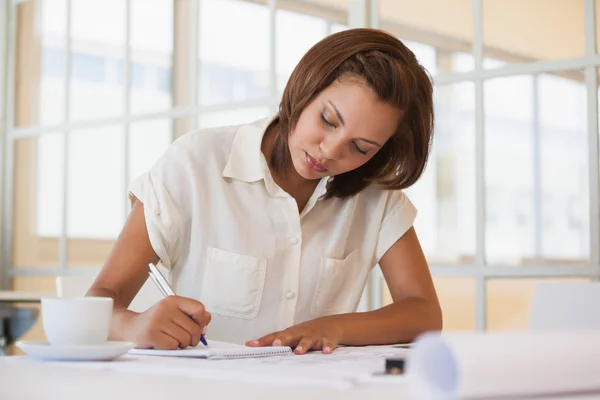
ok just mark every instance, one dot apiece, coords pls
pixel 564 170
pixel 449 30
pixel 151 55
pixel 425 54
pixel 509 301
pixel 40 63
pixel 97 71
pixel 97 198
pixel 536 204
pixel 53 63
pixel 50 184
pixel 96 186
pixel 445 194
pixel 554 29
pixel 457 299
pixel 296 34
pixel 233 65
pixel 335 27
pixel 38 175
pixel 148 141
pixel 233 117
pixel 40 284
pixel 597 9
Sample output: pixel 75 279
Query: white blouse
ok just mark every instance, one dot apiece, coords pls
pixel 235 241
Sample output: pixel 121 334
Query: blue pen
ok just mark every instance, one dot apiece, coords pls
pixel 165 288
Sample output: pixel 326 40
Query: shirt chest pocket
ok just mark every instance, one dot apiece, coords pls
pixel 336 290
pixel 233 283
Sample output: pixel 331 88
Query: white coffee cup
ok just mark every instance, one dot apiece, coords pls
pixel 77 321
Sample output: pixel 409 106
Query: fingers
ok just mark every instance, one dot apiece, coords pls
pixel 190 326
pixel 287 338
pixel 266 340
pixel 182 336
pixel 193 308
pixel 162 340
pixel 305 344
pixel 328 345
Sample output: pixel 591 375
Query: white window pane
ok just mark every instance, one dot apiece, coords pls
pixel 97 59
pixel 509 98
pixel 536 172
pixel 54 17
pixel 152 26
pixel 50 184
pixel 148 141
pixel 509 174
pixel 151 55
pixel 233 50
pixel 490 63
pixel 462 62
pixel 445 194
pixel 335 27
pixel 564 167
pixel 424 53
pixel 563 102
pixel 96 198
pixel 296 34
pixel 53 62
pixel 233 117
pixel 99 22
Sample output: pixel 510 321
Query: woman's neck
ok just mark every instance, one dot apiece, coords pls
pixel 290 181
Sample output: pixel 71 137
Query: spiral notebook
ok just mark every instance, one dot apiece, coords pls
pixel 217 351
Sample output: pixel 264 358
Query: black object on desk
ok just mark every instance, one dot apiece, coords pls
pixel 14 322
pixel 394 366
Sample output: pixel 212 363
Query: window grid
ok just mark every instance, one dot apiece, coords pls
pixel 3 124
pixel 63 242
pixel 10 29
pixel 481 270
pixel 127 104
pixel 591 82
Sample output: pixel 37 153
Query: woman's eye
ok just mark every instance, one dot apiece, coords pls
pixel 326 121
pixel 361 151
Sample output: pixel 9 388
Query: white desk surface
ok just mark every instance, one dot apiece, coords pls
pixel 16 296
pixel 25 379
pixel 37 380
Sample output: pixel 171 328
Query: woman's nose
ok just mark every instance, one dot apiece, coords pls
pixel 331 148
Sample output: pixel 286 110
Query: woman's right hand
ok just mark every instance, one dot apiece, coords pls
pixel 174 322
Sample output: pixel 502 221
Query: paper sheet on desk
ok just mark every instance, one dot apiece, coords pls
pixel 218 351
pixel 485 365
pixel 345 368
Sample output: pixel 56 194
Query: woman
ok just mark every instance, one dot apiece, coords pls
pixel 270 229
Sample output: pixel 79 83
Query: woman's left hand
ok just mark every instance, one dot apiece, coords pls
pixel 319 334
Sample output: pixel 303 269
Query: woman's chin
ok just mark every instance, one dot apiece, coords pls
pixel 307 173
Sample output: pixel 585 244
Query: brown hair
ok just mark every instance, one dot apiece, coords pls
pixel 387 66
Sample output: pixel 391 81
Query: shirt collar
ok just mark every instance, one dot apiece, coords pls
pixel 246 161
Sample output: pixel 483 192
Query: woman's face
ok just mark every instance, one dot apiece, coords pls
pixel 340 130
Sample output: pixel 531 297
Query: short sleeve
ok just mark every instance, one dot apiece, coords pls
pixel 163 221
pixel 399 216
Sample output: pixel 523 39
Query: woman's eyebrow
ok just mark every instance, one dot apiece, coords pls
pixel 370 141
pixel 337 112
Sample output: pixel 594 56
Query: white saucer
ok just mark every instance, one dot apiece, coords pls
pixel 101 352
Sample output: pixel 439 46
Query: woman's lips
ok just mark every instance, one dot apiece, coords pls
pixel 314 164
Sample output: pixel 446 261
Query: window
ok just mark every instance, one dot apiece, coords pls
pixel 505 198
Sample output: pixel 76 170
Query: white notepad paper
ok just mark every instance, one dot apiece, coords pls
pixel 218 350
